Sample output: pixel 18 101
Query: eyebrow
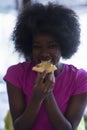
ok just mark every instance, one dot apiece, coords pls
pixel 53 41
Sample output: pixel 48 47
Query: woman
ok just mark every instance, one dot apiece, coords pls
pixel 46 101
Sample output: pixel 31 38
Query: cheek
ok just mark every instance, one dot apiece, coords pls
pixel 34 52
pixel 35 55
pixel 57 56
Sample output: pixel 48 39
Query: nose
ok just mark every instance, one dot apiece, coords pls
pixel 44 54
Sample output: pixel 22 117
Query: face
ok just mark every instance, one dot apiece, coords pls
pixel 45 48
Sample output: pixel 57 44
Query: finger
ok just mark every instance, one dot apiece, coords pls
pixel 43 76
pixel 40 78
pixel 49 82
pixel 49 85
pixel 37 79
pixel 50 77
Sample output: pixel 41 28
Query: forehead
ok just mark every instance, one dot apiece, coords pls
pixel 43 38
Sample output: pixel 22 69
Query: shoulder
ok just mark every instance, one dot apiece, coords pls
pixel 18 72
pixel 78 78
pixel 20 67
pixel 71 69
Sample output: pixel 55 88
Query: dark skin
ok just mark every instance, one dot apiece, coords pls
pixel 45 48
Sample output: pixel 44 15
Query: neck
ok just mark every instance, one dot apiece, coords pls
pixel 59 69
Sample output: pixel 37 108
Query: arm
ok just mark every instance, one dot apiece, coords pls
pixel 73 115
pixel 57 119
pixel 74 112
pixel 24 116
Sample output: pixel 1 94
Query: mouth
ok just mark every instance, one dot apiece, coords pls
pixel 46 60
pixel 43 60
pixel 40 60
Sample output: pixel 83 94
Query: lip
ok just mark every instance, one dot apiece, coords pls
pixel 46 60
pixel 41 60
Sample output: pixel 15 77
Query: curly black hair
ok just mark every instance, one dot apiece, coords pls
pixel 53 19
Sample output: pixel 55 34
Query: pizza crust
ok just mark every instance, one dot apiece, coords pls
pixel 44 66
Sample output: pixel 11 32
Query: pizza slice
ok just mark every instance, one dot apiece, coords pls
pixel 44 66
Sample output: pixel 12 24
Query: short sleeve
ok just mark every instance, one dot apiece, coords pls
pixel 14 75
pixel 81 82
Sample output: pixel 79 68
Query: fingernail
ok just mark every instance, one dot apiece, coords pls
pixel 45 90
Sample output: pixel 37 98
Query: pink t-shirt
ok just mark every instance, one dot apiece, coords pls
pixel 70 81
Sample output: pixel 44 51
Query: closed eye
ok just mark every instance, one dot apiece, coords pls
pixel 35 45
pixel 53 46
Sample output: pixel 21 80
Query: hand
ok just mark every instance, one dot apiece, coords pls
pixel 43 85
pixel 49 81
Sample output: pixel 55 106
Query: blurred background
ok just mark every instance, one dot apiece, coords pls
pixel 9 10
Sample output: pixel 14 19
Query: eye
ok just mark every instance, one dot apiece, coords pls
pixel 53 46
pixel 36 46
